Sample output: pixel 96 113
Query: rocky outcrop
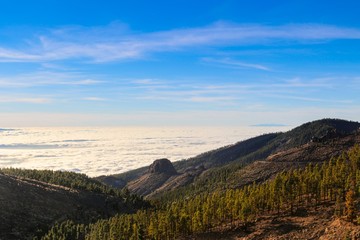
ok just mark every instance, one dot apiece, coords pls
pixel 159 172
pixel 162 166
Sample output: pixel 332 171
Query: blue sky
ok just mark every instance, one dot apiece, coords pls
pixel 166 63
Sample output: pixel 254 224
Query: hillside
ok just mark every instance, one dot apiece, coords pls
pixel 255 159
pixel 28 207
pixel 315 202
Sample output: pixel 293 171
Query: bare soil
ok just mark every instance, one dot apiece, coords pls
pixel 314 223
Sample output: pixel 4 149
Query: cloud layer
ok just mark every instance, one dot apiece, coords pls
pixel 116 42
pixel 99 151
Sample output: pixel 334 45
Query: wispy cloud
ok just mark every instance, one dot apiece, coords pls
pixel 114 43
pixel 95 99
pixel 222 99
pixel 232 94
pixel 298 82
pixel 44 78
pixel 308 99
pixel 227 62
pixel 33 100
pixel 81 82
pixel 146 81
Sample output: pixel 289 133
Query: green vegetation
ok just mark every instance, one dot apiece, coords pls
pixel 91 201
pixel 79 182
pixel 74 181
pixel 62 178
pixel 337 181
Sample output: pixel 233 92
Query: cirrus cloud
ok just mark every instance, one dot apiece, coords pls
pixel 112 43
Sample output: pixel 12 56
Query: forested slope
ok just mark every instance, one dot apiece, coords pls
pixel 335 183
pixel 32 200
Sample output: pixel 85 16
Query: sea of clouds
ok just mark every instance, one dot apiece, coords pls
pixel 103 151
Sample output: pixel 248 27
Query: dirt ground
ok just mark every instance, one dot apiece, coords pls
pixel 312 223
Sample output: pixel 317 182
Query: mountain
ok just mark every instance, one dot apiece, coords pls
pixel 255 159
pixel 29 207
pixel 317 201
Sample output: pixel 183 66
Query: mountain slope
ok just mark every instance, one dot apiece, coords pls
pixel 313 152
pixel 315 202
pixel 29 207
pixel 265 155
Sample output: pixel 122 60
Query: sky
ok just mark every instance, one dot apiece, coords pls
pixel 178 63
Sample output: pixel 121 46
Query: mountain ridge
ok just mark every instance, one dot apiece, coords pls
pixel 241 154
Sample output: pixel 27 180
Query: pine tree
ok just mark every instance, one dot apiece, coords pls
pixel 350 205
